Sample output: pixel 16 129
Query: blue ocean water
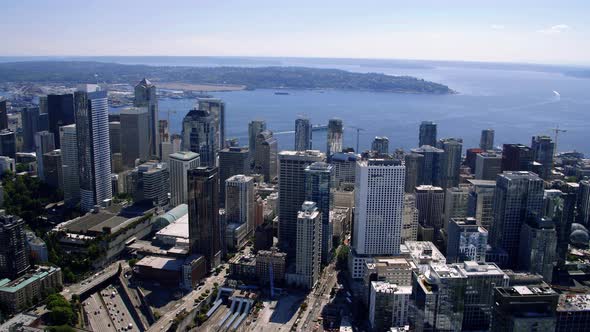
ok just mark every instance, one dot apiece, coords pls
pixel 518 102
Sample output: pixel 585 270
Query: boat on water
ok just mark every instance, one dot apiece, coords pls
pixel 281 93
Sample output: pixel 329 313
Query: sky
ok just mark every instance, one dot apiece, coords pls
pixel 555 32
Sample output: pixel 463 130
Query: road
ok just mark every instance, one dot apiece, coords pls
pixel 91 281
pixel 317 299
pixel 164 323
pixel 97 315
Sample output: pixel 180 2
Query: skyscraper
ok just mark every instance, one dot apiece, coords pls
pixel 265 158
pixel 451 164
pixel 516 157
pixel 334 141
pixel 379 198
pixel 3 114
pixel 30 125
pixel 52 173
pixel 303 134
pixel 232 161
pixel 151 183
pixel 318 178
pixel 60 110
pixel 560 206
pixel 344 168
pixel 410 219
pixel 537 247
pixel 180 164
pixel 203 214
pixel 115 136
pixel 481 201
pixel 466 240
pixel 309 245
pixel 414 163
pixel 135 139
pixel 92 136
pixel 430 173
pixel 487 166
pixel 216 107
pixel 583 207
pixel 543 152
pixel 7 143
pixel 430 204
pixel 292 166
pixel 427 133
pixel 239 201
pixel 518 197
pixel 14 259
pixel 456 203
pixel 380 145
pixel 486 142
pixel 44 142
pixel 146 96
pixel 69 164
pixel 198 135
pixel 254 128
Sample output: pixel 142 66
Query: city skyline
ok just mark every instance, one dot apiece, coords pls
pixel 528 31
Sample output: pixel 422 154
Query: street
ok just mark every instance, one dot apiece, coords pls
pixel 187 301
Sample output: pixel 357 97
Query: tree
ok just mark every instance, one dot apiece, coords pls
pixel 342 257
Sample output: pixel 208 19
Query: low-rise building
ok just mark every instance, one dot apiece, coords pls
pixel 37 248
pixel 183 272
pixel 20 293
pixel 524 308
pixel 270 263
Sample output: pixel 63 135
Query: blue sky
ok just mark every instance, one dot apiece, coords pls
pixel 515 31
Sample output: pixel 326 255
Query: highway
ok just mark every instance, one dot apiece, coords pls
pixel 164 323
pixel 97 314
pixel 91 281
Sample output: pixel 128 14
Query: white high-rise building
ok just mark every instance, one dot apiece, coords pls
pixel 94 152
pixel 378 214
pixel 379 199
pixel 180 163
pixel 308 257
pixel 239 201
pixel 69 164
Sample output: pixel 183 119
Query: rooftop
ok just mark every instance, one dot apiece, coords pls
pixel 482 183
pixel 161 263
pixel 427 187
pixel 574 302
pixel 518 291
pixel 389 288
pixel 424 252
pixel 15 285
pixel 184 155
pixel 177 229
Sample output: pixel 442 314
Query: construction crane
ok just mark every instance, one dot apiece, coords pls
pixel 168 112
pixel 556 132
pixel 358 132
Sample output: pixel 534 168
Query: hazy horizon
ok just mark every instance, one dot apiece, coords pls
pixel 74 57
pixel 537 32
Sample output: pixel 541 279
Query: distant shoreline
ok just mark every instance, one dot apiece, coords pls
pixel 227 78
pixel 199 87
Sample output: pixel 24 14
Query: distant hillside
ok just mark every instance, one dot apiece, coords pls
pixel 251 77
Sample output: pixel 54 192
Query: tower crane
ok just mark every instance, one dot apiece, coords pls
pixel 358 132
pixel 556 132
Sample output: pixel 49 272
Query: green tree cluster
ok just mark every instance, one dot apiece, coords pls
pixel 61 312
pixel 26 197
